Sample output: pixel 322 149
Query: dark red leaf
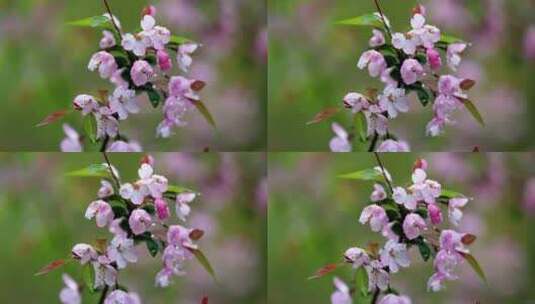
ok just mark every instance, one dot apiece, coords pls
pixel 52 266
pixel 53 117
pixel 323 271
pixel 196 234
pixel 323 115
pixel 467 84
pixel 198 85
pixel 468 239
pixel 204 300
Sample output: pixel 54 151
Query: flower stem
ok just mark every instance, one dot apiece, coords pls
pixel 387 28
pixel 103 295
pixel 383 170
pixel 106 4
pixel 375 296
pixel 373 142
pixel 112 173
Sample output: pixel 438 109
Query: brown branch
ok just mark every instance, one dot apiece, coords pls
pixel 383 18
pixel 112 173
pixel 112 19
pixel 383 171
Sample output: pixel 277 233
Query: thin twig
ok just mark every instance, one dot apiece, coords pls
pixel 376 296
pixel 112 19
pixel 373 142
pixel 383 170
pixel 115 179
pixel 383 17
pixel 103 295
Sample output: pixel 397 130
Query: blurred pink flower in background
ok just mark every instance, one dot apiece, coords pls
pixel 529 196
pixel 529 43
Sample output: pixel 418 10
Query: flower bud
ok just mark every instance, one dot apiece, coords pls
pixel 149 10
pixel 164 61
pixel 162 210
pixel 435 214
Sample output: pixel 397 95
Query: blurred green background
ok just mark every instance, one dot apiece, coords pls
pixel 44 66
pixel 313 218
pixel 42 217
pixel 313 64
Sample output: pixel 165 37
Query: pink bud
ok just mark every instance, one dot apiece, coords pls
pixel 149 10
pixel 435 214
pixel 420 163
pixel 433 58
pixel 161 208
pixel 164 60
pixel 419 9
pixel 147 159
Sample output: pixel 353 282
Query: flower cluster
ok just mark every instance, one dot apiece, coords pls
pixel 408 217
pixel 135 63
pixel 405 63
pixel 134 213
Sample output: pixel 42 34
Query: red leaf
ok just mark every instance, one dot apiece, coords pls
pixel 467 84
pixel 468 239
pixel 323 271
pixel 198 85
pixel 204 300
pixel 196 234
pixel 323 115
pixel 52 266
pixel 53 117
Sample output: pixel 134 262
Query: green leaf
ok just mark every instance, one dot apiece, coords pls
pixel 449 39
pixel 204 262
pixel 474 111
pixel 425 250
pixel 95 170
pixel 88 276
pixel 365 175
pixel 177 189
pixel 94 22
pixel 364 20
pixel 450 194
pixel 152 246
pixel 179 39
pixel 149 208
pixel 361 126
pixel 119 210
pixel 205 113
pixel 154 97
pixel 90 127
pixel 475 265
pixel 361 281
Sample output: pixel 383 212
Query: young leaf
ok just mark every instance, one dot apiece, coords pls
pixel 154 97
pixel 475 265
pixel 90 127
pixel 449 39
pixel 323 271
pixel 179 39
pixel 94 22
pixel 361 126
pixel 53 117
pixel 152 246
pixel 364 20
pixel 468 239
pixel 365 175
pixel 203 261
pixel 177 189
pixel 88 276
pixel 196 234
pixel 51 266
pixel 474 111
pixel 204 300
pixel 450 194
pixel 95 170
pixel 205 113
pixel 323 115
pixel 425 251
pixel 467 84
pixel 361 281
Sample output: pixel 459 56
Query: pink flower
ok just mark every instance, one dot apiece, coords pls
pixel 455 214
pixel 451 241
pixel 378 193
pixel 411 71
pixel 182 207
pixel 387 79
pixel 529 196
pixel 424 189
pixel 84 252
pixel 123 101
pixel 395 299
pixel 356 256
pixel 388 233
pixel 107 124
pixel 154 36
pixel 436 281
pixel 101 211
pixel 413 225
pixel 106 189
pixel 70 294
pixel 108 40
pixel 117 78
pixel 341 295
pixel 433 58
pixel 123 146
pixel 164 61
pixel 121 251
pixel 453 54
pixel 116 229
pixel 435 214
pixel 149 184
pixel 436 126
pixel 377 122
pixel 179 236
pixel 378 38
pixel 71 143
pixel 449 85
pixel 141 72
pixel 136 44
pixel 400 42
pixel 105 274
pixel 401 197
pixel 423 34
pixel 122 297
pixel 355 101
pixel 377 276
pixel 394 255
pixel 162 210
pixel 139 221
pixel 183 56
pixel 104 62
pixel 529 43
pixel 376 215
pixel 181 87
pixel 85 103
pixel 391 145
pixel 394 100
pixel 174 110
pixel 374 61
pixel 339 143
